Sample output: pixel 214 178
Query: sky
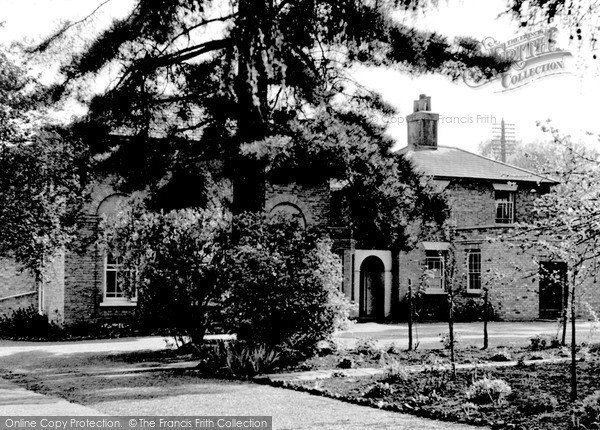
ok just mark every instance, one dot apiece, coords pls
pixel 569 99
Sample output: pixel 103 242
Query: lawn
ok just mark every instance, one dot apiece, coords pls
pixel 416 382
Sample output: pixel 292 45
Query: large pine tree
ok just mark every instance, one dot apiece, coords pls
pixel 202 80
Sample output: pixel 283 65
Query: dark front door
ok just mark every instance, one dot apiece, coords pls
pixel 371 288
pixel 553 289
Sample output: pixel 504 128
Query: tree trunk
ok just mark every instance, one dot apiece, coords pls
pixel 410 316
pixel 564 316
pixel 573 342
pixel 251 90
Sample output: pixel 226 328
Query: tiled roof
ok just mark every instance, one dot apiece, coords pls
pixel 449 162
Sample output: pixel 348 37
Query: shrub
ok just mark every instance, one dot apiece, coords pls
pixel 488 391
pixel 238 359
pixel 346 363
pixel 395 372
pixel 28 323
pixel 540 342
pixel 394 348
pixel 367 346
pixel 445 339
pixel 282 285
pixel 537 342
pixel 172 260
pixel 468 308
pixel 379 389
pixel 500 355
pixel 590 409
pixel 434 379
pixel 537 404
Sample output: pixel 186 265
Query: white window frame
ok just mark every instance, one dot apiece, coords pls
pixel 120 300
pixel 506 205
pixel 473 270
pixel 437 284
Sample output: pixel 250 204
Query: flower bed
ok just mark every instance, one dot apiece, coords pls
pixel 520 397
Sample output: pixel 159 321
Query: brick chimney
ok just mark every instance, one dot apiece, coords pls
pixel 422 125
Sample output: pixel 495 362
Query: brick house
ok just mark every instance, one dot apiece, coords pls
pixel 486 198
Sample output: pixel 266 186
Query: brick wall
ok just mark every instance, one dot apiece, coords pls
pixel 54 288
pixel 473 202
pixel 311 199
pixel 509 270
pixel 82 280
pixel 14 281
pixel 84 271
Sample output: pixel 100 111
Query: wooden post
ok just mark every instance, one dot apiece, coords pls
pixel 485 319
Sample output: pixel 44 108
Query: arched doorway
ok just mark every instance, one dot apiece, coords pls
pixel 372 288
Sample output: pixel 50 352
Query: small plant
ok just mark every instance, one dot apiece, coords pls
pixel 540 342
pixel 470 409
pixel 488 391
pixel 346 363
pixel 590 410
pixel 367 346
pixel 379 389
pixel 395 372
pixel 238 359
pixel 593 317
pixel 251 360
pixel 394 349
pixel 584 353
pixel 537 342
pixel 434 379
pixel 326 347
pixel 502 354
pixel 537 404
pixel 445 339
pixel 554 342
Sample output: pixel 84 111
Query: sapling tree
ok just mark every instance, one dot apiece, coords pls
pixel 449 275
pixel 566 226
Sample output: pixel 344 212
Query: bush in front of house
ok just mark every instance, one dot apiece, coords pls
pixel 172 260
pixel 28 323
pixel 268 279
pixel 282 285
pixel 467 308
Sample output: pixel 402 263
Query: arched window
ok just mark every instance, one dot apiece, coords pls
pixel 113 293
pixel 291 210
